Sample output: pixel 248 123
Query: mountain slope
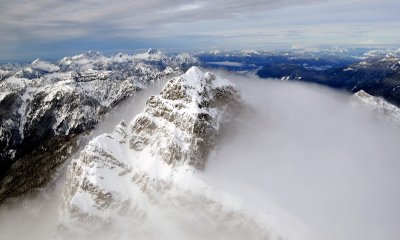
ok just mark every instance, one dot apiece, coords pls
pixel 45 106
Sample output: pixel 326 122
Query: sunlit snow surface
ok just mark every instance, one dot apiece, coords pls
pixel 300 158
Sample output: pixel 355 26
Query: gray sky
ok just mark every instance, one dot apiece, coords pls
pixel 53 28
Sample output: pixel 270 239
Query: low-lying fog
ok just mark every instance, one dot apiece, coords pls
pixel 326 167
pixel 301 156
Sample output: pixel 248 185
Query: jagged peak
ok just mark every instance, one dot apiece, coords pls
pixel 362 93
pixel 170 135
pixel 193 75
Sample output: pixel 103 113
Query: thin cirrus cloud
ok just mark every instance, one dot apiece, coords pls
pixel 29 17
pixel 50 28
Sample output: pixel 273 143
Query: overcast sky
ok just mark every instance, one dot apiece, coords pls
pixel 54 28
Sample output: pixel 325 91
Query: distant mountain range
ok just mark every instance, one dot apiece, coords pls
pixel 374 71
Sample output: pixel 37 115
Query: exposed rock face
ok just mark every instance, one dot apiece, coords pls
pixel 382 108
pixel 45 106
pixel 182 123
pixel 145 165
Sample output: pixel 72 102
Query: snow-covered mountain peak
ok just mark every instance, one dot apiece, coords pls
pixel 131 170
pixel 188 112
pixel 193 76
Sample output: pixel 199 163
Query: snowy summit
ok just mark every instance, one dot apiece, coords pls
pixel 154 156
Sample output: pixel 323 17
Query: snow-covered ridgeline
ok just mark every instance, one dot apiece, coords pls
pixel 381 107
